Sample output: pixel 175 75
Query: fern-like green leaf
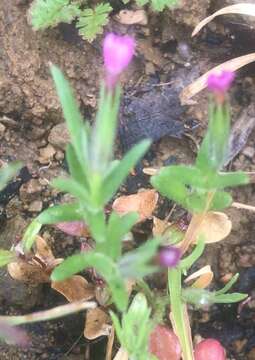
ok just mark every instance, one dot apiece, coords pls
pixel 91 21
pixel 160 5
pixel 49 13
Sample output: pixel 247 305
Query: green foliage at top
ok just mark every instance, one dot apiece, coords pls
pixel 45 14
pixel 158 5
pixel 49 13
pixel 91 21
pixel 200 187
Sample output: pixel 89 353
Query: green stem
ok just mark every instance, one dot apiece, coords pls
pixel 177 310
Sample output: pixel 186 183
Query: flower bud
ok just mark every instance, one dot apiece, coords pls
pixel 210 349
pixel 220 82
pixel 169 256
pixel 118 51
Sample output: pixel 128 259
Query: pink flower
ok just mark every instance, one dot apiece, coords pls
pixel 169 256
pixel 118 52
pixel 210 349
pixel 219 83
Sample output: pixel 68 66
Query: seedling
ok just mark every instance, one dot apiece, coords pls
pixel 94 179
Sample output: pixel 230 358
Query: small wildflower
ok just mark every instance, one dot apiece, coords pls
pixel 221 82
pixel 210 349
pixel 169 256
pixel 118 52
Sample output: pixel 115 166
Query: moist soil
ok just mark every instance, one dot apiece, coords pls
pixel 32 130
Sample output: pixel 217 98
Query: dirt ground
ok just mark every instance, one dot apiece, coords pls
pixel 32 130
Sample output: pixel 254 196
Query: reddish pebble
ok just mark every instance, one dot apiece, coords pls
pixel 164 344
pixel 210 349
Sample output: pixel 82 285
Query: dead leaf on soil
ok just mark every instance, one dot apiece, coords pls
pixel 143 203
pixel 215 227
pixel 28 272
pixel 97 324
pixel 37 269
pixel 241 8
pixel 75 288
pixel 203 277
pixel 231 65
pixel 131 17
pixel 74 228
pixel 43 250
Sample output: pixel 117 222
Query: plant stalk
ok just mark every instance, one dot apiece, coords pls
pixel 179 320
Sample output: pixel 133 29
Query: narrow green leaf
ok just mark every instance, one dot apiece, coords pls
pixel 228 286
pixel 115 178
pixel 77 171
pixel 104 131
pixel 117 228
pixel 223 180
pixel 61 213
pixel 229 298
pixel 72 187
pixel 30 234
pixel 189 260
pixel 6 257
pixel 7 172
pixel 72 115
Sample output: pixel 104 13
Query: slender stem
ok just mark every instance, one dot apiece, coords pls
pixel 178 315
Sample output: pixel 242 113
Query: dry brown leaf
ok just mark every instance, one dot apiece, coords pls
pixel 231 65
pixel 131 17
pixel 215 227
pixel 241 8
pixel 204 277
pixel 121 355
pixel 43 250
pixel 28 272
pixel 97 324
pixel 143 203
pixel 75 288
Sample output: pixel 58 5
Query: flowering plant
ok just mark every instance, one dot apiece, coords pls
pixel 95 178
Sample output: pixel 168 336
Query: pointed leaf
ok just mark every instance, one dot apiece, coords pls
pixel 61 213
pixel 30 234
pixel 118 174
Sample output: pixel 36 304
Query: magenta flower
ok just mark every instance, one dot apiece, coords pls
pixel 118 51
pixel 169 256
pixel 210 349
pixel 219 83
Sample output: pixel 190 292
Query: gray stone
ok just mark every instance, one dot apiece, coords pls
pixel 59 136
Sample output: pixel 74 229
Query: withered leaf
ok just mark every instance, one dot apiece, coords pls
pixel 203 277
pixel 143 203
pixel 28 272
pixel 215 227
pixel 74 289
pixel 97 324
